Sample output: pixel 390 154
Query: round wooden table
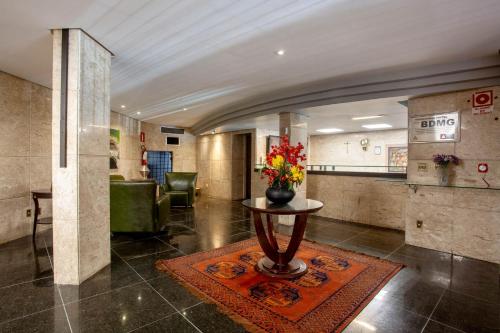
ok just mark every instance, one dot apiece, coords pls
pixel 277 262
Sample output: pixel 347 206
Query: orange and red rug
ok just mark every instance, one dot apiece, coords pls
pixel 338 285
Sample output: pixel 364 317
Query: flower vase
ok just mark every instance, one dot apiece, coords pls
pixel 443 173
pixel 279 195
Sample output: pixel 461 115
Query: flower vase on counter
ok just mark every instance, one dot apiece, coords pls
pixel 443 163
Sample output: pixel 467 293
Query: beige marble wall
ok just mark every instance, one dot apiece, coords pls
pixel 332 149
pixel 219 159
pixel 25 150
pixel 365 200
pixel 459 220
pixel 130 145
pixel 184 155
pixel 81 189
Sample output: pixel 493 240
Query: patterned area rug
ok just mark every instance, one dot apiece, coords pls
pixel 338 285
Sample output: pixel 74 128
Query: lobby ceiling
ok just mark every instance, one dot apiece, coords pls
pixel 178 62
pixel 336 116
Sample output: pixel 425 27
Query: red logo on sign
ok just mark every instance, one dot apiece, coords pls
pixel 482 98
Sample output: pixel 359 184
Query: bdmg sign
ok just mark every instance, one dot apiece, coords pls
pixel 444 127
pixel 438 123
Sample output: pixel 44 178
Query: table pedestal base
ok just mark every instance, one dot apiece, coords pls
pixel 294 269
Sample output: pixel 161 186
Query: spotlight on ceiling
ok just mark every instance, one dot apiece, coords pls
pixel 138 112
pixel 330 130
pixel 213 131
pixel 280 52
pixel 184 109
pixel 366 117
pixel 123 106
pixel 376 126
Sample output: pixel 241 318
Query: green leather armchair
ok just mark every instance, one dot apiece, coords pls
pixel 135 208
pixel 116 177
pixel 181 187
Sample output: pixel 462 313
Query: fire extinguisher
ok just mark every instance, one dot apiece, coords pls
pixel 144 153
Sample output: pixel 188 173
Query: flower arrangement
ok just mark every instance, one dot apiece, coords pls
pixel 282 165
pixel 442 160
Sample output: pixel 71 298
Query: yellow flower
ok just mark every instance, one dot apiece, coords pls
pixel 278 162
pixel 297 174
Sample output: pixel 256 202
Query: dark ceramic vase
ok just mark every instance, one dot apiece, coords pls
pixel 279 196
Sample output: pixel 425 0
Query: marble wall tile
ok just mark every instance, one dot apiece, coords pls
pixel 488 200
pixel 40 121
pixel 480 142
pixel 436 231
pixel 14 177
pixel 474 235
pixel 93 199
pixel 13 221
pixel 14 115
pixel 360 199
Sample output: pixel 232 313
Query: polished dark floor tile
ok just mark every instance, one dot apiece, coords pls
pixel 117 298
pixel 118 274
pixel 476 278
pixel 410 293
pixel 23 261
pixel 208 319
pixel 121 310
pixel 172 324
pixel 125 237
pixel 435 327
pixel 140 248
pixel 383 241
pixel 27 298
pixel 145 266
pixel 52 320
pixel 379 316
pixel 177 295
pixel 467 313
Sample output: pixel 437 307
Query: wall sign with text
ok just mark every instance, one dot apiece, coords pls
pixel 444 127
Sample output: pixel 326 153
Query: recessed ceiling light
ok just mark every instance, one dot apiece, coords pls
pixel 330 130
pixel 366 117
pixel 123 106
pixel 184 109
pixel 138 112
pixel 213 131
pixel 376 126
pixel 280 52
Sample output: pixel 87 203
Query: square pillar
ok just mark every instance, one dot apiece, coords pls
pixel 80 185
pixel 294 125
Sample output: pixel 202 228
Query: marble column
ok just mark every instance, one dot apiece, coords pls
pixel 295 126
pixel 81 233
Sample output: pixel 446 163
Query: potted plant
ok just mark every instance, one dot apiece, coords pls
pixel 284 171
pixel 442 162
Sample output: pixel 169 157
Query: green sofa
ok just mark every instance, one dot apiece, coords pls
pixel 135 208
pixel 181 187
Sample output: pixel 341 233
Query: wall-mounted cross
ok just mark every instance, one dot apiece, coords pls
pixel 347 143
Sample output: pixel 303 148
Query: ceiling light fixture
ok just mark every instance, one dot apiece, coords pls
pixel 138 112
pixel 376 126
pixel 366 117
pixel 280 52
pixel 330 130
pixel 184 109
pixel 123 106
pixel 213 131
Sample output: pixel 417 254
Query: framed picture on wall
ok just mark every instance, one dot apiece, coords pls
pixel 114 148
pixel 272 140
pixel 397 158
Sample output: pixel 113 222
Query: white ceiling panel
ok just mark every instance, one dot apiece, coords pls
pixel 203 55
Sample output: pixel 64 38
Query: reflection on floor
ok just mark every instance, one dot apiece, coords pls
pixel 437 292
